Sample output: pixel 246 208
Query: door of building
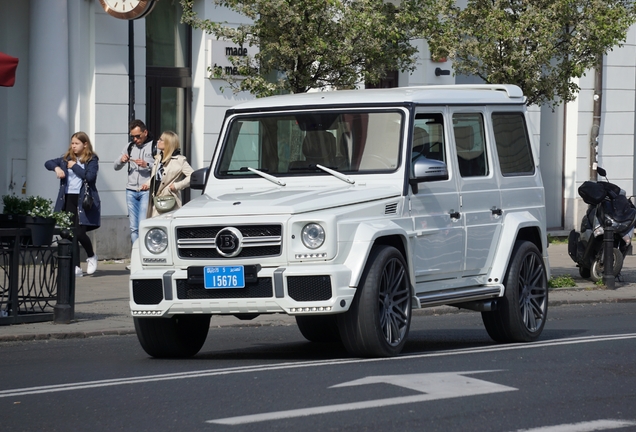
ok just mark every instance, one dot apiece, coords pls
pixel 168 105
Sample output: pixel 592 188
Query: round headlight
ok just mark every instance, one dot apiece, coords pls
pixel 156 240
pixel 313 235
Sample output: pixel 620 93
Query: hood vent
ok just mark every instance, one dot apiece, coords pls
pixel 390 209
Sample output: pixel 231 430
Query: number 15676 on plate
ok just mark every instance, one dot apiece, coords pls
pixel 224 277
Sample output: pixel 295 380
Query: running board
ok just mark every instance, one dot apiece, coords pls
pixel 462 295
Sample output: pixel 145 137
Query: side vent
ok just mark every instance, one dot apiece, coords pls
pixel 390 209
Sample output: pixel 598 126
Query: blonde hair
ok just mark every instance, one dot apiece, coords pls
pixel 170 143
pixel 87 153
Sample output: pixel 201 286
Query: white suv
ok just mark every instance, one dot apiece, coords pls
pixel 347 210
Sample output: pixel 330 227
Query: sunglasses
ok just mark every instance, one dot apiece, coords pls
pixel 135 136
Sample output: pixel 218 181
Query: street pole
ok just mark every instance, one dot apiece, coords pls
pixel 608 256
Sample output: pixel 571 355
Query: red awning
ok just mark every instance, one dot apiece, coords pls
pixel 8 65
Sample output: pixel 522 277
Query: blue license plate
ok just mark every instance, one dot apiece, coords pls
pixel 215 277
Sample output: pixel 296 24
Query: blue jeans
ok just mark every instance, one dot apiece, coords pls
pixel 137 202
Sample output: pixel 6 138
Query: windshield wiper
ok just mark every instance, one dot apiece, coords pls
pixel 266 176
pixel 336 174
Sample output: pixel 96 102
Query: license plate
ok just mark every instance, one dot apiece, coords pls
pixel 215 277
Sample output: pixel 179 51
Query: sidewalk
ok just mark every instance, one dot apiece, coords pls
pixel 101 302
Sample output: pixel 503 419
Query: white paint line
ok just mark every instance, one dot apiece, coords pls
pixel 435 386
pixel 295 365
pixel 596 425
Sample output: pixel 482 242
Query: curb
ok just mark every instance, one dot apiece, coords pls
pixel 433 311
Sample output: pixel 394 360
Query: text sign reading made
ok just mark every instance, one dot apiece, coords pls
pixel 223 277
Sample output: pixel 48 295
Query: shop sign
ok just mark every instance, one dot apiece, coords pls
pixel 219 52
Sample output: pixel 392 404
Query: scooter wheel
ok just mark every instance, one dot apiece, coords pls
pixel 598 269
pixel 584 272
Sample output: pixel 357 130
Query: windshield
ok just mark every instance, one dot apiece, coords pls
pixel 286 144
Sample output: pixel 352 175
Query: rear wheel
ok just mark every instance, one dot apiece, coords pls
pixel 522 311
pixel 178 337
pixel 598 269
pixel 323 329
pixel 378 321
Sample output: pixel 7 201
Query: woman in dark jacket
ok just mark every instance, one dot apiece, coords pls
pixel 78 166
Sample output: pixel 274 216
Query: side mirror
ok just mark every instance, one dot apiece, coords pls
pixel 425 170
pixel 601 171
pixel 198 179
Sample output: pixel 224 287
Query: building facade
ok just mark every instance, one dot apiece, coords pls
pixel 82 69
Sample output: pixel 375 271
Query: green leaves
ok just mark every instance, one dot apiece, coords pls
pixel 312 44
pixel 538 45
pixel 36 206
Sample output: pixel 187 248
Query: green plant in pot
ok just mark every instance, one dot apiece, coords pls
pixel 36 213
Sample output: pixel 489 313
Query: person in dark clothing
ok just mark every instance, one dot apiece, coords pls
pixel 76 168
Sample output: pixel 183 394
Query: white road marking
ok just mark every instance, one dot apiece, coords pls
pixel 295 365
pixel 584 426
pixel 436 386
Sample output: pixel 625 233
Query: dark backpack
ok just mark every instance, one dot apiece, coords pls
pixel 153 149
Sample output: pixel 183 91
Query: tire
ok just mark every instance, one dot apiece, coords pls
pixel 181 336
pixel 321 329
pixel 584 272
pixel 522 312
pixel 378 321
pixel 598 269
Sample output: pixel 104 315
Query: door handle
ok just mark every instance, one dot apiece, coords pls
pixel 496 211
pixel 453 214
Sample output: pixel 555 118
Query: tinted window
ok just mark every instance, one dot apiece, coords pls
pixel 296 143
pixel 470 142
pixel 513 144
pixel 428 137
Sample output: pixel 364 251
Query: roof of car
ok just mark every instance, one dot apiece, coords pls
pixel 428 95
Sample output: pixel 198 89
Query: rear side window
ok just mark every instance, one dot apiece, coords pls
pixel 513 144
pixel 470 143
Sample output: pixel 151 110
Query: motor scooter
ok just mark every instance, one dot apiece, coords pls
pixel 608 205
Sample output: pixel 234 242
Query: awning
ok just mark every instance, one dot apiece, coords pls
pixel 8 65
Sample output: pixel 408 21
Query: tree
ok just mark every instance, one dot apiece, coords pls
pixel 318 43
pixel 538 45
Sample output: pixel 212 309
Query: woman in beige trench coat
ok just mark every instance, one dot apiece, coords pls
pixel 170 172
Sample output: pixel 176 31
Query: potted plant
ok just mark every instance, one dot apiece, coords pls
pixel 36 213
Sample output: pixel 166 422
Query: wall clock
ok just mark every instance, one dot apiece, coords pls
pixel 128 9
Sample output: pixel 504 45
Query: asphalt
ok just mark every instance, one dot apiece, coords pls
pixel 102 308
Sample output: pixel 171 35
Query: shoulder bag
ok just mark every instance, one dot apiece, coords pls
pixel 87 202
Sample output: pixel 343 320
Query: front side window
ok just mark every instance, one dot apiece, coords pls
pixel 428 137
pixel 470 142
pixel 513 144
pixel 289 144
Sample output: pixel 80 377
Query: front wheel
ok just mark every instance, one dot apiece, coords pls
pixel 378 321
pixel 598 269
pixel 522 311
pixel 322 329
pixel 178 337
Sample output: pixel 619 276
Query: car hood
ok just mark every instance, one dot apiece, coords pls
pixel 283 201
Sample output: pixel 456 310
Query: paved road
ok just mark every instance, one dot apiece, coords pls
pixel 102 302
pixel 581 375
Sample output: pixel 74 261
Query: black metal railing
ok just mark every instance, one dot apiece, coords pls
pixel 28 278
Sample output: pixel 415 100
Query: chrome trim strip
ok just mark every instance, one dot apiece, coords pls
pixel 167 284
pixel 279 289
pixel 437 298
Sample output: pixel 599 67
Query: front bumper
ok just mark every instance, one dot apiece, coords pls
pixel 294 290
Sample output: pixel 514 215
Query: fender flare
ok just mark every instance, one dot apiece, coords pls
pixel 511 226
pixel 365 237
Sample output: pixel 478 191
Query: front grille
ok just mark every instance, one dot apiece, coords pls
pixel 261 289
pixel 147 291
pixel 200 242
pixel 197 253
pixel 309 288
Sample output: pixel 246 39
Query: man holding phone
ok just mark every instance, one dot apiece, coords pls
pixel 139 156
